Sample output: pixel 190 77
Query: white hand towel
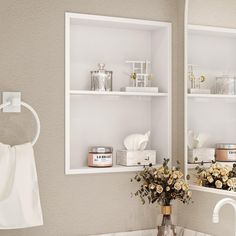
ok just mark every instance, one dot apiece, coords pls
pixel 7 170
pixel 19 195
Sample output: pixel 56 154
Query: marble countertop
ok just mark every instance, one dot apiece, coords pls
pixel 153 232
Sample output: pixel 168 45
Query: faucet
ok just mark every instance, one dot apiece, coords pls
pixel 221 203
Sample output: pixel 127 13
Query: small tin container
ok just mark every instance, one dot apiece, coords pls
pixel 100 156
pixel 226 152
pixel 101 79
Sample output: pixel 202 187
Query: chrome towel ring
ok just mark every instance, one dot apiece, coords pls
pixel 34 114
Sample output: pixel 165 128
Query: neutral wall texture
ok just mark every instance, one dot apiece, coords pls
pixel 32 61
pixel 198 216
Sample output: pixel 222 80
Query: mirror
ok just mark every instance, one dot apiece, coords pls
pixel 210 101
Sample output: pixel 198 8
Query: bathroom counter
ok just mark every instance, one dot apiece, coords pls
pixel 152 232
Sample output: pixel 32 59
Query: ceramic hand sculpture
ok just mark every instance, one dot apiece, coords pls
pixel 197 140
pixel 136 142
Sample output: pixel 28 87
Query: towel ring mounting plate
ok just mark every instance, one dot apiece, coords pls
pixel 18 103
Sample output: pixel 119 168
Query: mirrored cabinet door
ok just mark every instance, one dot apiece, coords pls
pixel 210 102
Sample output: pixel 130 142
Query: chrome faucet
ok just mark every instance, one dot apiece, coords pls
pixel 219 205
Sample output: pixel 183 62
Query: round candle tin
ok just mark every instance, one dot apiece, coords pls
pixel 226 152
pixel 100 156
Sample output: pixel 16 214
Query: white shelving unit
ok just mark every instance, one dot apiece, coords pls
pixel 213 50
pixel 105 118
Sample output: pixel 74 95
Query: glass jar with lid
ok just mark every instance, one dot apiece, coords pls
pixel 225 85
pixel 101 79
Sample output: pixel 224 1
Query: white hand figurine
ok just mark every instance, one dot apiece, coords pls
pixel 197 140
pixel 192 139
pixel 136 142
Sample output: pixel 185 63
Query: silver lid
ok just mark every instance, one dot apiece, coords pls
pixel 101 69
pixel 226 145
pixel 100 149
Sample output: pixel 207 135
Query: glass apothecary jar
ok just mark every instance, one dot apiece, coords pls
pixel 101 79
pixel 225 85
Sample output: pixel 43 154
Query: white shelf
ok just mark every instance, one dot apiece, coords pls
pixel 105 118
pixel 211 30
pixel 116 93
pixel 113 169
pixel 220 96
pixel 212 190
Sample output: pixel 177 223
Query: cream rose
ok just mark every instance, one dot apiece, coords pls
pixel 185 187
pixel 152 186
pixel 210 179
pixel 225 178
pixel 218 184
pixel 210 170
pixel 224 171
pixel 170 181
pixel 159 188
pixel 216 173
pixel 179 174
pixel 230 183
pixel 177 186
pixel 175 175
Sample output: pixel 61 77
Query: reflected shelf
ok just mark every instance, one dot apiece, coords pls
pixel 222 96
pixel 212 190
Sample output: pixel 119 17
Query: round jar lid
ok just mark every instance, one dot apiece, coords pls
pixel 100 149
pixel 226 145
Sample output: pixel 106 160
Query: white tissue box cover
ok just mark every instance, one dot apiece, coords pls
pixel 135 158
pixel 141 89
pixel 199 91
pixel 202 155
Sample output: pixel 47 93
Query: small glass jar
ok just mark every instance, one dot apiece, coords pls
pixel 225 85
pixel 101 79
pixel 100 156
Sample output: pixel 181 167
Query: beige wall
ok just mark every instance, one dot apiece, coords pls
pixel 198 216
pixel 32 61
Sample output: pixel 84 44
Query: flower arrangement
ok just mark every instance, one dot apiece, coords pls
pixel 217 176
pixel 162 185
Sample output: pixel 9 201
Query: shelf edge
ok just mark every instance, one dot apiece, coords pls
pixel 212 190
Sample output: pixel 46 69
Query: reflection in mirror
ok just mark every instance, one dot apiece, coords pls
pixel 210 101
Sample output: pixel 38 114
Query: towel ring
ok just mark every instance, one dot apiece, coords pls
pixel 35 117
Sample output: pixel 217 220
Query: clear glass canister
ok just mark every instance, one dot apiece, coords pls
pixel 101 79
pixel 225 85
